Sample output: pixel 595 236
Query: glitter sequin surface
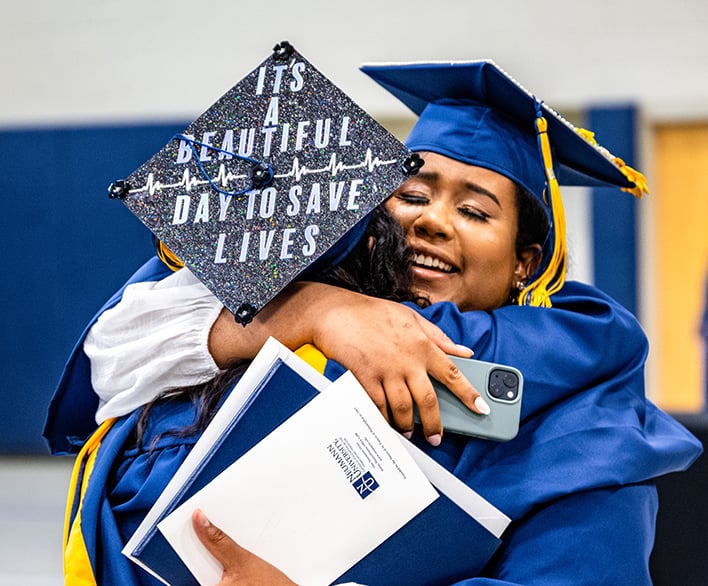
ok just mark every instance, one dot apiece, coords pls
pixel 324 164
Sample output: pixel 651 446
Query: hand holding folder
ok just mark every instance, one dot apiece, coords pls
pixel 307 474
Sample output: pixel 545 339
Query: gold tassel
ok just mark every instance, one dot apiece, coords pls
pixel 588 135
pixel 168 257
pixel 640 182
pixel 538 293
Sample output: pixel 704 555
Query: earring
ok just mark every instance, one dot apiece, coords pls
pixel 519 286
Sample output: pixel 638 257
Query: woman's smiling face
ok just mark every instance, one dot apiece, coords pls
pixel 462 222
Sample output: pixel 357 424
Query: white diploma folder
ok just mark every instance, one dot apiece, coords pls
pixel 313 497
pixel 307 474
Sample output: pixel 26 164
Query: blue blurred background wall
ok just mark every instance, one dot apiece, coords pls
pixel 66 248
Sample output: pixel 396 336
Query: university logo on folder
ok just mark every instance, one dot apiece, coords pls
pixel 365 484
pixel 266 181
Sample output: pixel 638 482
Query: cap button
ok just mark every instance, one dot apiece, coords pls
pixel 244 314
pixel 282 51
pixel 412 164
pixel 261 175
pixel 118 189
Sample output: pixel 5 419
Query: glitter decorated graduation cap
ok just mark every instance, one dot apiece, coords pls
pixel 474 112
pixel 266 182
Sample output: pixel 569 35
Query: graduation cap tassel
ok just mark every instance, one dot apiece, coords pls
pixel 538 293
pixel 260 173
pixel 167 256
pixel 640 182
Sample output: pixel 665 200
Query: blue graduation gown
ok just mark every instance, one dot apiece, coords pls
pixel 123 484
pixel 577 480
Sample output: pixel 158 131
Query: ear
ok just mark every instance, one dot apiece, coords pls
pixel 528 260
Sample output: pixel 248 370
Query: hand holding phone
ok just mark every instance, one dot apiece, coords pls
pixel 500 385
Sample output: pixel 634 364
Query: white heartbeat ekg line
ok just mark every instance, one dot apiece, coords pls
pixel 224 177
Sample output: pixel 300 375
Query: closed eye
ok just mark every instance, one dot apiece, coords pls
pixel 412 199
pixel 474 214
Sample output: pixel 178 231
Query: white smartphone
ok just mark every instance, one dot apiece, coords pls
pixel 502 388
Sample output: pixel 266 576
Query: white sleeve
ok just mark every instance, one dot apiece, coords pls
pixel 153 340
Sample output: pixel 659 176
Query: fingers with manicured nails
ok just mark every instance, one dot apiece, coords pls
pixel 446 372
pixel 392 350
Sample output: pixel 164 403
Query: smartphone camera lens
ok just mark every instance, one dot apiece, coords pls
pixel 503 385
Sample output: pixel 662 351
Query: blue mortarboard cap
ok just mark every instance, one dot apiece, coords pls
pixel 474 112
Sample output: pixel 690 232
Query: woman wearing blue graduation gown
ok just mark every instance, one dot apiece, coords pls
pixel 577 480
